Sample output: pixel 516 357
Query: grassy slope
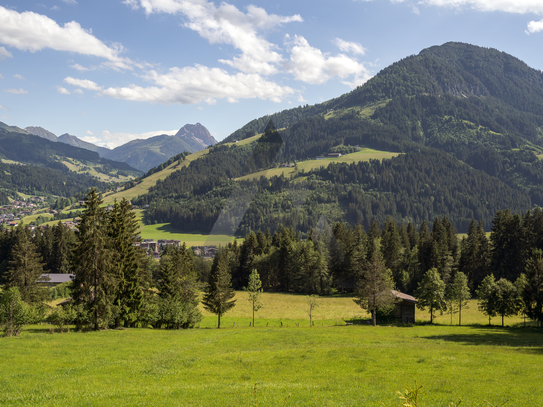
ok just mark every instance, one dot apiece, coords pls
pixel 320 366
pixel 143 187
pixel 79 168
pixel 364 154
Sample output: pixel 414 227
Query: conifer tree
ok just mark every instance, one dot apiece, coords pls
pixel 374 291
pixel 25 268
pixel 533 291
pixel 219 292
pixel 61 249
pixel 179 289
pixel 94 284
pixel 126 262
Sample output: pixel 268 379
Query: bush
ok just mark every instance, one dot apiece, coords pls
pixel 15 313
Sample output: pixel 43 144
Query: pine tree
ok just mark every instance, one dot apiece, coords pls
pixel 126 262
pixel 533 291
pixel 25 268
pixel 219 292
pixel 374 291
pixel 94 284
pixel 179 289
pixel 61 249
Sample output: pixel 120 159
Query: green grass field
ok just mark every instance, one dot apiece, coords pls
pixel 330 365
pixel 364 154
pixel 166 231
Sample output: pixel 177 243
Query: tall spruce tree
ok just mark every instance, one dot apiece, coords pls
pixel 219 292
pixel 25 268
pixel 95 283
pixel 533 290
pixel 126 262
pixel 374 291
pixel 179 289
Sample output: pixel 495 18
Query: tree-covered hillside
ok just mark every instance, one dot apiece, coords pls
pixel 467 120
pixel 39 167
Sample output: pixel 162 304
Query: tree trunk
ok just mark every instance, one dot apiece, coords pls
pixel 502 321
pixel 219 324
pixel 253 315
pixel 460 314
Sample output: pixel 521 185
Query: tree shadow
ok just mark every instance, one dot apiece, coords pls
pixel 528 339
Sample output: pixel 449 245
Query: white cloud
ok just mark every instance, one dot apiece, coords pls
pixel 508 6
pixel 20 77
pixel 79 67
pixel 193 85
pixel 16 91
pixel 70 1
pixel 226 24
pixel 534 27
pixel 62 90
pixel 82 83
pixel 78 91
pixel 352 47
pixel 4 53
pixel 309 64
pixel 90 133
pixel 3 107
pixel 29 31
pixel 1 77
pixel 115 139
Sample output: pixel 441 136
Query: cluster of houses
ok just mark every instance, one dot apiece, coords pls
pixel 16 210
pixel 155 247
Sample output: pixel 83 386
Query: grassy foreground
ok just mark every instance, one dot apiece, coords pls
pixel 330 365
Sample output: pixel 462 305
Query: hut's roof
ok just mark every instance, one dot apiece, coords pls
pixel 404 297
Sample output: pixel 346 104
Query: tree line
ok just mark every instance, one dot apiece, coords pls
pixel 116 284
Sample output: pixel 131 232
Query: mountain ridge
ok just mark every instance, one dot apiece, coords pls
pixel 454 103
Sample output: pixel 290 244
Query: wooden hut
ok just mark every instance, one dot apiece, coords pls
pixel 405 307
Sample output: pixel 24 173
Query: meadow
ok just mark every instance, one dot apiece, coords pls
pixel 330 364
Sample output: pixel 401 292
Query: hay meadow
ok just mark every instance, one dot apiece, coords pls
pixel 330 364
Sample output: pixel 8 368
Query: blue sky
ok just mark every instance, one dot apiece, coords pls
pixel 109 71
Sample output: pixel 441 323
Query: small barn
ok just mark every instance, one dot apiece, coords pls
pixel 405 307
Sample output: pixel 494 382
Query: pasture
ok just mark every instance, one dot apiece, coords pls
pixel 364 154
pixel 330 364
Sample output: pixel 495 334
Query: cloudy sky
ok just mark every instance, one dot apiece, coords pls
pixel 109 71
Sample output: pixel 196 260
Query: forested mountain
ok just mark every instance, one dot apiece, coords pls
pixel 467 120
pixel 41 167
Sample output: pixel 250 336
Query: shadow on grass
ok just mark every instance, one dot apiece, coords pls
pixel 528 339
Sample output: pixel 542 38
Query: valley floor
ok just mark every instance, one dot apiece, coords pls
pixel 330 364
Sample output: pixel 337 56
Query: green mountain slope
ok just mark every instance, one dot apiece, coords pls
pixel 466 119
pixel 41 166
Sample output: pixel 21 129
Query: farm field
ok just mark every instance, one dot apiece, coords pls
pixel 330 365
pixel 166 231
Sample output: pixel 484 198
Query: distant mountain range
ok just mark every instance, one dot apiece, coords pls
pixel 142 154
